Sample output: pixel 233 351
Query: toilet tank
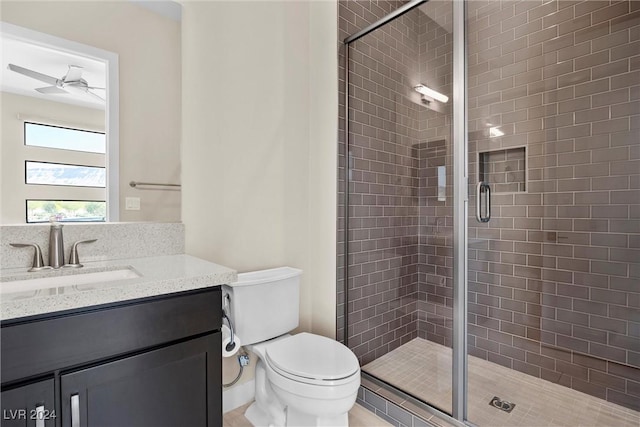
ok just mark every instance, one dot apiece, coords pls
pixel 264 304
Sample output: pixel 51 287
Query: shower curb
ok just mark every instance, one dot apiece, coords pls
pixel 392 412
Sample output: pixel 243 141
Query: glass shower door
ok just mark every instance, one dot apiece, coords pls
pixel 400 199
pixel 554 270
pixel 493 208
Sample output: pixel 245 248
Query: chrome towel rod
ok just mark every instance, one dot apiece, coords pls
pixel 134 184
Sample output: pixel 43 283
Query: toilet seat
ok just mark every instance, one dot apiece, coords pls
pixel 312 359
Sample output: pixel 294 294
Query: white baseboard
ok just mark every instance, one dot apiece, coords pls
pixel 238 396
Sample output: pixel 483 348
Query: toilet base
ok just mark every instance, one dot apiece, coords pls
pixel 272 403
pixel 300 419
pixel 256 416
pixel 267 410
pixel 259 418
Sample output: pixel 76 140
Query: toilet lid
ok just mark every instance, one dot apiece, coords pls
pixel 312 356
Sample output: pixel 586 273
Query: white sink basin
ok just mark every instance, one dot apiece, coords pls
pixel 67 280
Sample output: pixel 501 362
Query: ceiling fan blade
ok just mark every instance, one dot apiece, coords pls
pixel 33 74
pixel 81 90
pixel 51 90
pixel 74 74
pixel 95 96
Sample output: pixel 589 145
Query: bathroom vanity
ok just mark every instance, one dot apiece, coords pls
pixel 142 349
pixel 155 361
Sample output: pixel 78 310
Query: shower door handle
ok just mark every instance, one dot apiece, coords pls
pixel 483 215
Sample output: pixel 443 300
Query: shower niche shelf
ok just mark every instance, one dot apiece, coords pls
pixel 505 170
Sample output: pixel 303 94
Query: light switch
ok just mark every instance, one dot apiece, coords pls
pixel 132 203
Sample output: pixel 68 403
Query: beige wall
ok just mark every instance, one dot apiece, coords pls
pixel 258 143
pixel 148 46
pixel 13 153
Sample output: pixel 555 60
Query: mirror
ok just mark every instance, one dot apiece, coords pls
pixel 58 148
pixel 90 105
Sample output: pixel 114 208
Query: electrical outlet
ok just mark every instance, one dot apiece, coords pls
pixel 132 203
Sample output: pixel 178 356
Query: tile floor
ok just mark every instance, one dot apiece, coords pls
pixel 358 417
pixel 423 369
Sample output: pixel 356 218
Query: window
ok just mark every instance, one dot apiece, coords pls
pixel 44 173
pixel 47 136
pixel 66 210
pixel 65 191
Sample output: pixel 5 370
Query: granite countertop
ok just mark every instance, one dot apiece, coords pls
pixel 158 275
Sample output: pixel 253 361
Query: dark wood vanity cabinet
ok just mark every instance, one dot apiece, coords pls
pixel 31 405
pixel 153 362
pixel 164 387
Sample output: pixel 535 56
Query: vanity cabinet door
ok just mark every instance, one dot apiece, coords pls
pixel 31 405
pixel 178 385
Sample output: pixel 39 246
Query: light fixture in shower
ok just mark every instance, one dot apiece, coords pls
pixel 430 93
pixel 495 132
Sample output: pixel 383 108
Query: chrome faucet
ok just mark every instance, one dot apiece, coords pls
pixel 38 263
pixel 74 260
pixel 56 250
pixel 56 245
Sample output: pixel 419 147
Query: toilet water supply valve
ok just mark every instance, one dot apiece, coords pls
pixel 243 359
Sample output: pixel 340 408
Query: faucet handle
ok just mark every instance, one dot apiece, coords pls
pixel 74 260
pixel 38 263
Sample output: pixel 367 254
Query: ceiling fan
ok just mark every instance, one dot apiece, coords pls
pixel 72 82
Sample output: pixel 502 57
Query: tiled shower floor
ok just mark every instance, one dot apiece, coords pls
pixel 423 369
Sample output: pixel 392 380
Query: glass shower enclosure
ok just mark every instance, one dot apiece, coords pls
pixel 490 221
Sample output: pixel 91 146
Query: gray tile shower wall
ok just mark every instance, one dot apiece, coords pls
pixel 352 17
pixel 504 169
pixel 435 317
pixel 554 277
pixel 551 294
pixel 383 259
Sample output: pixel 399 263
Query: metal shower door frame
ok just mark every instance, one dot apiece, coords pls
pixel 460 199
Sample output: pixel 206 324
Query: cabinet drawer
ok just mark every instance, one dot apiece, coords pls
pixel 43 346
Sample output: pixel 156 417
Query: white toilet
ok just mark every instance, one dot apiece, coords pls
pixel 301 380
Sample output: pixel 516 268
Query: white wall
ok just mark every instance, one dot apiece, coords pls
pixel 13 153
pixel 323 165
pixel 259 142
pixel 148 46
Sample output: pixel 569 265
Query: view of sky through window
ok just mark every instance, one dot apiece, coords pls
pixel 40 135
